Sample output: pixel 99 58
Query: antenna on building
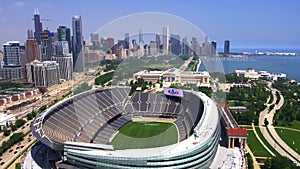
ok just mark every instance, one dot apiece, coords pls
pixel 36 11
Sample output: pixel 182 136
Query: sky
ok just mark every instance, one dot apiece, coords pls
pixel 246 23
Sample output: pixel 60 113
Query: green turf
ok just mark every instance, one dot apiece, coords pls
pixel 290 137
pixel 135 135
pixel 266 142
pixel 257 149
pixel 295 125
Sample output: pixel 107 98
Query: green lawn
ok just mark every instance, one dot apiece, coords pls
pixel 295 125
pixel 257 149
pixel 266 142
pixel 136 135
pixel 290 137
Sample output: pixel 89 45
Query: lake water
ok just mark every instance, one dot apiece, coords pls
pixel 276 64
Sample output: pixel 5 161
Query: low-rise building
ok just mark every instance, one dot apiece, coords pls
pixel 248 73
pixel 174 75
pixel 252 74
pixel 6 120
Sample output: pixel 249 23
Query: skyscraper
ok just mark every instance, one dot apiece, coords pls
pixel 43 74
pixel 141 40
pixel 30 34
pixel 127 40
pixel 12 68
pixel 47 41
pixel 227 46
pixel 175 43
pixel 38 26
pixel 195 47
pixel 184 46
pixel 111 43
pixel 78 53
pixel 11 51
pixel 61 48
pixel 157 37
pixel 213 49
pixel 166 39
pixel 32 48
pixel 65 66
pixel 63 34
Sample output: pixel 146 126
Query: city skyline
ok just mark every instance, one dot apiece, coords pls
pixel 245 24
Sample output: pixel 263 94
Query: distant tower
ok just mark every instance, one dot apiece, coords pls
pixel 184 46
pixel 227 46
pixel 141 40
pixel 64 34
pixel 38 26
pixel 12 68
pixel 157 41
pixel 166 39
pixel 30 34
pixel 127 40
pixel 78 53
pixel 95 41
pixel 175 42
pixel 32 49
pixel 111 43
pixel 213 49
pixel 47 40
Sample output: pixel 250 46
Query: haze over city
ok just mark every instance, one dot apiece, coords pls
pixel 258 24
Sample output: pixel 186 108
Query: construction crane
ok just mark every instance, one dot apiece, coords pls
pixel 36 12
pixel 47 20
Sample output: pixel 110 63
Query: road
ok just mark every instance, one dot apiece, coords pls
pixel 270 115
pixel 17 149
pixel 255 163
pixel 55 92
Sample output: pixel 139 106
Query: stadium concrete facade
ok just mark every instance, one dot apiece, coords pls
pixel 81 127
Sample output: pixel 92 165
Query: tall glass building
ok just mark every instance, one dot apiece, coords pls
pixel 78 53
pixel 63 34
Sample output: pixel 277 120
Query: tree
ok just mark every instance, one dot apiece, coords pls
pixel 42 90
pixel 6 132
pixel 268 163
pixel 173 86
pixel 18 166
pixel 266 122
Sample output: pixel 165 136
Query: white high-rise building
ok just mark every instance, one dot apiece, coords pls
pixel 166 39
pixel 62 47
pixel 65 66
pixel 43 74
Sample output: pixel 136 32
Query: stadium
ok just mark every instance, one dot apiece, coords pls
pixel 107 128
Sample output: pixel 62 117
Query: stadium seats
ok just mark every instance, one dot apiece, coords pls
pixel 95 116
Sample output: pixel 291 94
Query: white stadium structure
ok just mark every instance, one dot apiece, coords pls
pixel 79 129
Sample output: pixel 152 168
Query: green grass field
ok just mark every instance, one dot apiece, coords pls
pixel 135 135
pixel 257 149
pixel 290 137
pixel 295 125
pixel 266 142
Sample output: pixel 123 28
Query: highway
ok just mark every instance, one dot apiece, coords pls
pixel 17 149
pixel 54 93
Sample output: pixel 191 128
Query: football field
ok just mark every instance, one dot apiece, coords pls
pixel 136 135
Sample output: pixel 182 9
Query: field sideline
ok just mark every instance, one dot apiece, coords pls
pixel 136 135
